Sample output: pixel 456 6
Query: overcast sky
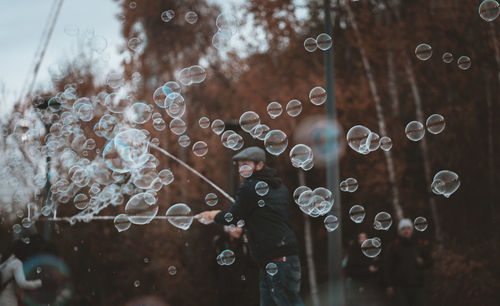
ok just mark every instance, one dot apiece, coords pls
pixel 22 23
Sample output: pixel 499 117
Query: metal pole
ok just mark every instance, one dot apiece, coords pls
pixel 336 285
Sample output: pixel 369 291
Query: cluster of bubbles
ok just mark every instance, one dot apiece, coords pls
pixel 364 141
pixel 434 124
pixel 424 52
pixel 315 203
pixel 445 183
pixel 302 156
pixel 323 42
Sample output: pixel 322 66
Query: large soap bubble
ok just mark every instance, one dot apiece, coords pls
pixel 141 208
pixel 445 182
pixel 276 142
pixel 179 215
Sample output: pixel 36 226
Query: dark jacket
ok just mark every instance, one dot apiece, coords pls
pixel 269 233
pixel 358 265
pixel 401 267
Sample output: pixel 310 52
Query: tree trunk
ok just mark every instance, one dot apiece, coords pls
pixel 423 146
pixel 308 240
pixel 491 160
pixel 380 115
pixel 393 89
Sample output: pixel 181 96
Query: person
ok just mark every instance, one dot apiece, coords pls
pixel 405 265
pixel 272 242
pixel 11 271
pixel 363 275
pixel 237 279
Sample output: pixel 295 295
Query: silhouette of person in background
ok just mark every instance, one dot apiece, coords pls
pixel 405 264
pixel 11 270
pixel 240 278
pixel 363 276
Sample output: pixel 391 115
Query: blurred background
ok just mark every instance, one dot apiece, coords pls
pixel 66 65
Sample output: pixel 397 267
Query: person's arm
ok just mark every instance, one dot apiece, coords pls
pixel 244 203
pixel 20 278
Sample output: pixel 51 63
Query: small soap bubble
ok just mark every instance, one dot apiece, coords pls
pixel 271 268
pixel 357 213
pixel 420 224
pixel 331 223
pixel 423 52
pixel 415 131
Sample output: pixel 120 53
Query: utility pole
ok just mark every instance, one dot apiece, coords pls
pixel 335 279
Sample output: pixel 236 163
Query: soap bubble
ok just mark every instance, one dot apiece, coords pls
pixel 132 145
pixel 294 108
pixel 226 23
pixel 191 17
pixel 310 44
pixel 221 41
pixel 81 201
pixel 423 52
pixel 139 112
pixel 357 213
pixel 172 270
pixel 324 41
pixel 383 221
pixel 357 137
pixel 450 182
pixel 226 258
pixel 166 16
pixel 415 131
pixel 184 141
pixel 122 223
pixel 178 126
pixel 371 247
pixel 271 268
pixel 331 223
pixel 385 143
pixel 211 199
pixel 249 120
pixel 317 95
pixel 200 148
pixel 136 44
pixel 300 154
pixel 218 126
pixel 159 124
pixel 373 141
pixel 447 57
pixel 166 176
pixel 464 62
pixel 137 283
pixel 489 10
pixel 141 208
pixel 274 109
pixel 261 203
pixel 204 122
pixel 245 171
pixel 179 215
pixel 228 217
pixel 349 185
pixel 261 188
pixel 298 191
pixel 276 142
pixel 435 124
pixel 420 224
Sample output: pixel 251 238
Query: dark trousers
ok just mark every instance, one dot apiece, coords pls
pixel 282 288
pixel 409 296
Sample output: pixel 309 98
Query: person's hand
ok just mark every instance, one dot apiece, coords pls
pixel 37 283
pixel 207 217
pixel 390 291
pixel 420 261
pixel 372 269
